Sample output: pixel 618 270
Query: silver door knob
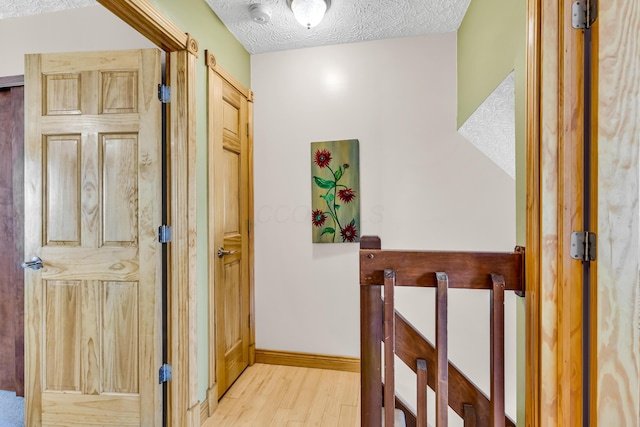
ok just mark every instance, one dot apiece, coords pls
pixel 34 264
pixel 222 252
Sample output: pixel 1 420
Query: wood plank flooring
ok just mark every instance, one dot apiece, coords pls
pixel 286 396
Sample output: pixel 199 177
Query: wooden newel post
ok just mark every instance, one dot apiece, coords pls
pixel 370 347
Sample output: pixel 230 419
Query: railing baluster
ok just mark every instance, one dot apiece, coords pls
pixel 421 412
pixel 442 369
pixel 370 347
pixel 497 351
pixel 389 348
pixel 469 415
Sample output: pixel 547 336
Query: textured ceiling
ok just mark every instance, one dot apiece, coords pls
pixel 492 127
pixel 346 21
pixel 16 8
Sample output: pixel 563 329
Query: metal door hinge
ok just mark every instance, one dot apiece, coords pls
pixel 583 245
pixel 165 373
pixel 249 226
pixel 584 13
pixel 164 234
pixel 164 93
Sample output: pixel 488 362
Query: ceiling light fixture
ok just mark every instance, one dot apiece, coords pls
pixel 309 13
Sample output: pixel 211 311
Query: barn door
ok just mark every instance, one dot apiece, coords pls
pixel 92 211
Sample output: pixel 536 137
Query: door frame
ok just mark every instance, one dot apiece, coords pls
pixel 554 200
pixel 10 83
pixel 183 406
pixel 214 67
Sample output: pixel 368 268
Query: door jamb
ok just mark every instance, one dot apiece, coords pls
pixel 554 352
pixel 183 406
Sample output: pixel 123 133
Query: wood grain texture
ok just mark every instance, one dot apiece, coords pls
pixel 229 192
pixel 442 354
pixel 150 22
pixel 497 351
pixel 554 210
pixel 182 277
pixel 11 234
pixel 11 81
pixel 469 270
pixel 308 360
pixel 371 321
pixel 421 395
pixel 411 346
pixel 93 311
pixel 389 337
pixel 251 246
pixel 618 290
pixel 570 214
pixel 469 416
pixel 276 395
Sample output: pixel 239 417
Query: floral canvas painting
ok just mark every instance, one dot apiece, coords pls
pixel 335 191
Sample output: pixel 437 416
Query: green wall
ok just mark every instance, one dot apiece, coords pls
pixel 196 18
pixel 492 43
pixel 491 34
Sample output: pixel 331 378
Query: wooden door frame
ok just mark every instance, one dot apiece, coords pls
pixel 184 408
pixel 554 367
pixel 10 83
pixel 214 67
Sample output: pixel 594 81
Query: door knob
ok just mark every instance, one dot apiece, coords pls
pixel 222 252
pixel 34 264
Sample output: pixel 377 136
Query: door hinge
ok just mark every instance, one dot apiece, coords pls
pixel 165 373
pixel 583 245
pixel 249 226
pixel 584 14
pixel 164 93
pixel 164 234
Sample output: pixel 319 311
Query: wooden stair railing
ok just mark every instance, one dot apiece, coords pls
pixel 381 271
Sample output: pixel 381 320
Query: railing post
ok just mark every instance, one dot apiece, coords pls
pixel 497 351
pixel 389 348
pixel 442 369
pixel 421 411
pixel 370 347
pixel 469 415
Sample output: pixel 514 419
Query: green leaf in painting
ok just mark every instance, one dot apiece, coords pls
pixel 328 230
pixel 328 197
pixel 323 183
pixel 338 174
pixel 337 207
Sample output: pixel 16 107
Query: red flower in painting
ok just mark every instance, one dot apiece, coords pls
pixel 322 158
pixel 349 233
pixel 346 195
pixel 318 217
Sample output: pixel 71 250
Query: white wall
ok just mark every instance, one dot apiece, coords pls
pixel 423 186
pixel 86 29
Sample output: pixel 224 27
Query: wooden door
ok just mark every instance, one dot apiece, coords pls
pixel 616 292
pixel 230 195
pixel 11 222
pixel 92 210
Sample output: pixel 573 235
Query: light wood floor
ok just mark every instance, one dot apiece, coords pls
pixel 285 396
